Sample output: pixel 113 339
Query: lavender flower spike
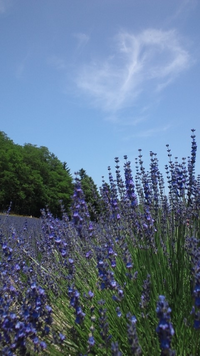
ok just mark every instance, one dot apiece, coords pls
pixel 164 329
pixel 132 335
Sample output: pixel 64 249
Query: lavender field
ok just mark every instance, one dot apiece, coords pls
pixel 125 283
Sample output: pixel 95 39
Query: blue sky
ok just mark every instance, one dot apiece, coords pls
pixel 97 79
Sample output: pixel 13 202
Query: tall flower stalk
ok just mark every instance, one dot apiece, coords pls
pixel 75 286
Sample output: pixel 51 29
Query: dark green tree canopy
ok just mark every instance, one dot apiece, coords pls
pixel 32 177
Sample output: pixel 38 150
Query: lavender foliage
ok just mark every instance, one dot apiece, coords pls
pixel 77 286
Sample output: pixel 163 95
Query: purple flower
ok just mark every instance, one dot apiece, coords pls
pixel 164 329
pixel 115 349
pixel 43 345
pixel 91 340
pixel 119 313
pixel 91 294
pixel 132 335
pixel 62 337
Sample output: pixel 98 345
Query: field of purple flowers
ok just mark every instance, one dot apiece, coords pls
pixel 127 283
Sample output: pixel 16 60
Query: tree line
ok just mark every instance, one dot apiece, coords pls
pixel 32 178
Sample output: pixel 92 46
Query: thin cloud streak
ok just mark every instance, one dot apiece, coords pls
pixel 151 58
pixel 154 131
pixel 57 62
pixel 21 66
pixel 82 39
pixel 183 9
pixel 148 133
pixel 134 122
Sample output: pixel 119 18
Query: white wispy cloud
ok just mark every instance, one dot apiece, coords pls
pixel 149 60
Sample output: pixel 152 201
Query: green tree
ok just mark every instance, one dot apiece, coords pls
pixel 91 193
pixel 10 158
pixel 32 177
